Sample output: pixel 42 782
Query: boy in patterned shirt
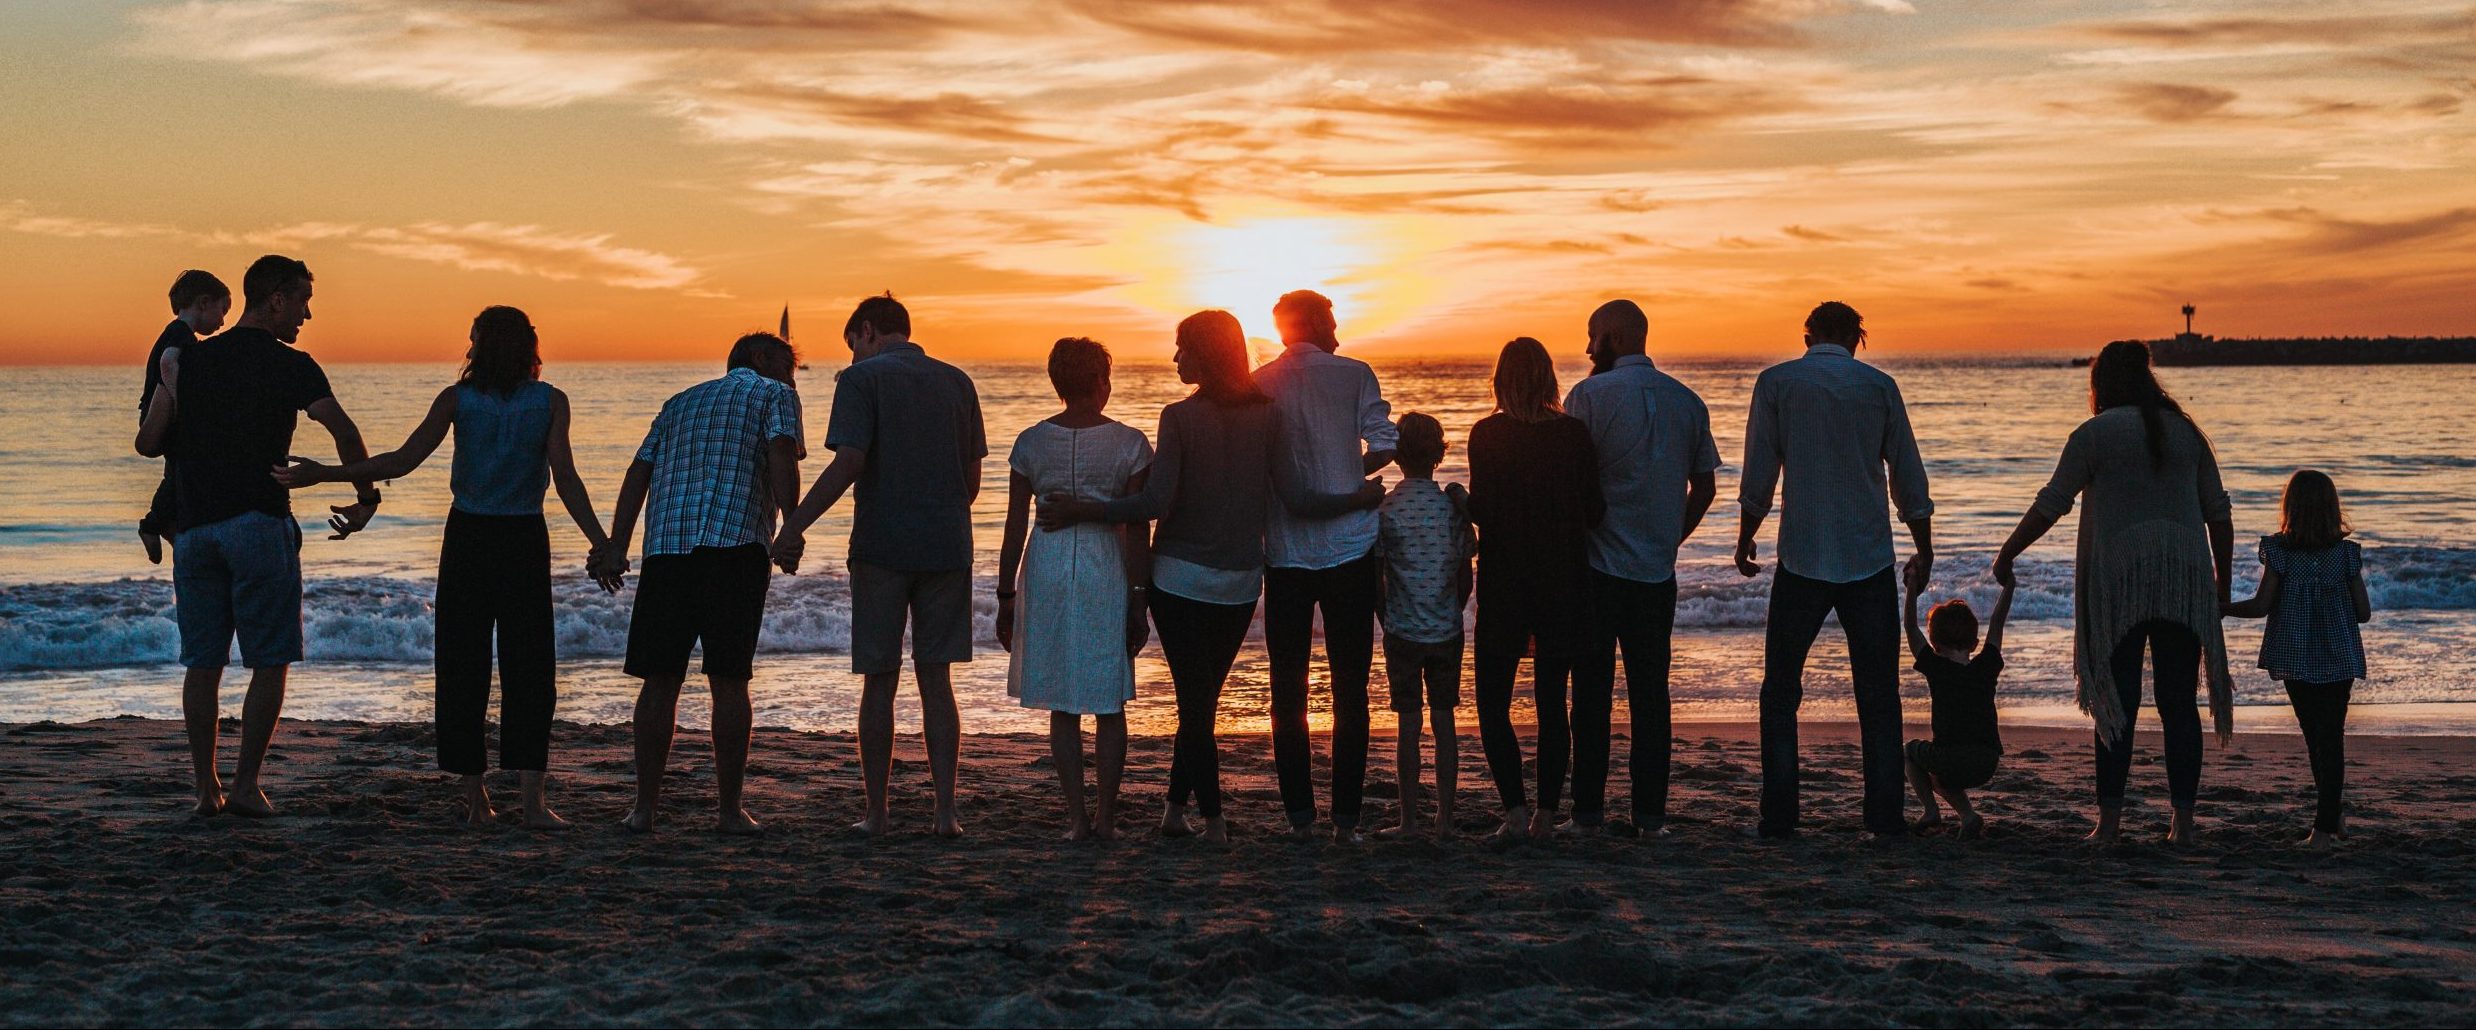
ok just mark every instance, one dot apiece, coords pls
pixel 1425 542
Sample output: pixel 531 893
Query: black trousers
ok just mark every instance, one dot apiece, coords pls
pixel 2175 661
pixel 494 575
pixel 1200 640
pixel 1499 664
pixel 1640 618
pixel 1870 616
pixel 1348 595
pixel 2321 709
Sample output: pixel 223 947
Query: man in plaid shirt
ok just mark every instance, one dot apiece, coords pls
pixel 720 461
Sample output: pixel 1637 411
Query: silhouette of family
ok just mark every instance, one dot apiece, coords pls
pixel 1262 490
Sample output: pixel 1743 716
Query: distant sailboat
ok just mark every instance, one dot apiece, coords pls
pixel 785 331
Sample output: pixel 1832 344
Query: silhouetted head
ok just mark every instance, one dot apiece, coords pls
pixel 1212 355
pixel 1305 316
pixel 770 355
pixel 1526 381
pixel 1834 322
pixel 506 352
pixel 1421 444
pixel 2309 518
pixel 1079 371
pixel 201 300
pixel 878 321
pixel 1617 329
pixel 275 294
pixel 2121 376
pixel 1952 626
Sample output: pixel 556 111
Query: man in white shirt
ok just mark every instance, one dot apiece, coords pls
pixel 1658 470
pixel 1836 424
pixel 1330 406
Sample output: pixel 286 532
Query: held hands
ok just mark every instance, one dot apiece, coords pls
pixel 607 563
pixel 349 518
pixel 788 548
pixel 302 472
pixel 2003 569
pixel 1918 571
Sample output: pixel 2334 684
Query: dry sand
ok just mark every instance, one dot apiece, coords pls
pixel 367 905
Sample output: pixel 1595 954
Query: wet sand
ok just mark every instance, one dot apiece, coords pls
pixel 367 904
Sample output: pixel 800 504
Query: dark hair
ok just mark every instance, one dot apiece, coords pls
pixel 1525 381
pixel 754 349
pixel 1421 443
pixel 269 276
pixel 1835 322
pixel 882 313
pixel 2309 518
pixel 194 286
pixel 1952 624
pixel 506 352
pixel 1310 314
pixel 2121 375
pixel 1217 345
pixel 1078 367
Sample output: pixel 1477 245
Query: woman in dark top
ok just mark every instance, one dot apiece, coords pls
pixel 1534 495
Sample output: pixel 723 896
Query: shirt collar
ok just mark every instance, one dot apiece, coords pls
pixel 1630 361
pixel 1833 349
pixel 899 347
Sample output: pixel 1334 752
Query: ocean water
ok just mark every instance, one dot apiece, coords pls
pixel 86 626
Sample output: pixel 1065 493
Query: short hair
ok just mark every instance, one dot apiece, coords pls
pixel 1078 367
pixel 506 351
pixel 1625 319
pixel 882 313
pixel 269 276
pixel 752 350
pixel 1310 314
pixel 1952 624
pixel 1835 322
pixel 1421 443
pixel 1526 381
pixel 2309 517
pixel 193 286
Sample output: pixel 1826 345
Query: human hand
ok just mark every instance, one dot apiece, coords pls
pixel 1005 623
pixel 607 563
pixel 2003 569
pixel 1746 565
pixel 1138 628
pixel 1918 572
pixel 788 547
pixel 302 472
pixel 1370 493
pixel 349 518
pixel 1061 510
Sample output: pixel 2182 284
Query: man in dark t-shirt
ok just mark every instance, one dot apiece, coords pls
pixel 199 303
pixel 224 413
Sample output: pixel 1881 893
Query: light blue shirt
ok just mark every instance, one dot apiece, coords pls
pixel 1652 434
pixel 1329 406
pixel 1836 424
pixel 502 464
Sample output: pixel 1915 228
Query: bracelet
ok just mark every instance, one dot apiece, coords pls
pixel 371 500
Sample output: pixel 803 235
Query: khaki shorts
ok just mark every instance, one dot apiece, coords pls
pixel 938 607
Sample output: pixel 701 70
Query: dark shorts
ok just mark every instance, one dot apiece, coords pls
pixel 238 577
pixel 1957 768
pixel 712 595
pixel 936 604
pixel 1410 663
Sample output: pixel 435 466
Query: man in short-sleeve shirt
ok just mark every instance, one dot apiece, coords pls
pixel 1657 468
pixel 907 440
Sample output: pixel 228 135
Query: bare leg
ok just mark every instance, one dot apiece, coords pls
pixel 943 726
pixel 1448 770
pixel 477 810
pixel 1066 751
pixel 876 748
pixel 201 700
pixel 1406 772
pixel 258 713
pixel 657 718
pixel 1109 746
pixel 1173 821
pixel 733 719
pixel 1972 825
pixel 2110 823
pixel 537 813
pixel 1923 784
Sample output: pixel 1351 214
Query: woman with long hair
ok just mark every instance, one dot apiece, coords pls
pixel 494 565
pixel 2156 542
pixel 1534 495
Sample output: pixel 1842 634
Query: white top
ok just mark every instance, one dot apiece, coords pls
pixel 1205 583
pixel 1070 626
pixel 1330 406
pixel 1652 434
pixel 1836 423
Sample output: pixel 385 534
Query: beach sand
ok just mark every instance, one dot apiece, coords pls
pixel 367 905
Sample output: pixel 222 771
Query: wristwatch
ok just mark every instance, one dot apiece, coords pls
pixel 371 500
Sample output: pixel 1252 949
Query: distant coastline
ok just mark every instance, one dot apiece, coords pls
pixel 2194 349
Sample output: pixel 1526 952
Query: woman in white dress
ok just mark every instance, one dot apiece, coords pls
pixel 1081 610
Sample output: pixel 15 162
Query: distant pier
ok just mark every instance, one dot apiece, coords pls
pixel 2193 349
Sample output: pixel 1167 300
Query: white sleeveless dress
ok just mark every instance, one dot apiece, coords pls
pixel 1070 607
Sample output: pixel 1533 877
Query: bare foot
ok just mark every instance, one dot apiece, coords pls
pixel 2181 830
pixel 947 824
pixel 1216 830
pixel 210 802
pixel 1174 824
pixel 874 825
pixel 1104 832
pixel 2104 834
pixel 154 546
pixel 1077 829
pixel 1516 827
pixel 2323 841
pixel 736 822
pixel 1349 835
pixel 1542 825
pixel 1444 832
pixel 1403 830
pixel 1929 824
pixel 540 817
pixel 251 803
pixel 1302 834
pixel 477 812
pixel 639 820
pixel 1972 826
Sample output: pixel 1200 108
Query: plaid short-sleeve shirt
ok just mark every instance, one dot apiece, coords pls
pixel 708 449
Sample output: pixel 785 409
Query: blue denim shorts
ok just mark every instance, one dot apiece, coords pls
pixel 240 576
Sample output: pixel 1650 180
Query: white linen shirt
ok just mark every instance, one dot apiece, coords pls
pixel 1330 405
pixel 1652 433
pixel 1835 423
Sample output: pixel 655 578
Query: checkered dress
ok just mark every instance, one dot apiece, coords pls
pixel 708 449
pixel 2312 636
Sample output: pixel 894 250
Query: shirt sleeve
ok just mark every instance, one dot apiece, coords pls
pixel 784 419
pixel 309 383
pixel 1375 415
pixel 2273 557
pixel 977 435
pixel 2072 474
pixel 1577 401
pixel 2355 557
pixel 1017 459
pixel 2215 504
pixel 853 422
pixel 1908 468
pixel 1706 449
pixel 1160 490
pixel 1761 475
pixel 651 449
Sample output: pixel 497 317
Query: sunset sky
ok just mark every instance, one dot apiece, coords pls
pixel 647 177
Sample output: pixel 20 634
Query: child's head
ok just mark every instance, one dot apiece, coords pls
pixel 1079 370
pixel 1421 445
pixel 201 300
pixel 1952 626
pixel 2309 518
